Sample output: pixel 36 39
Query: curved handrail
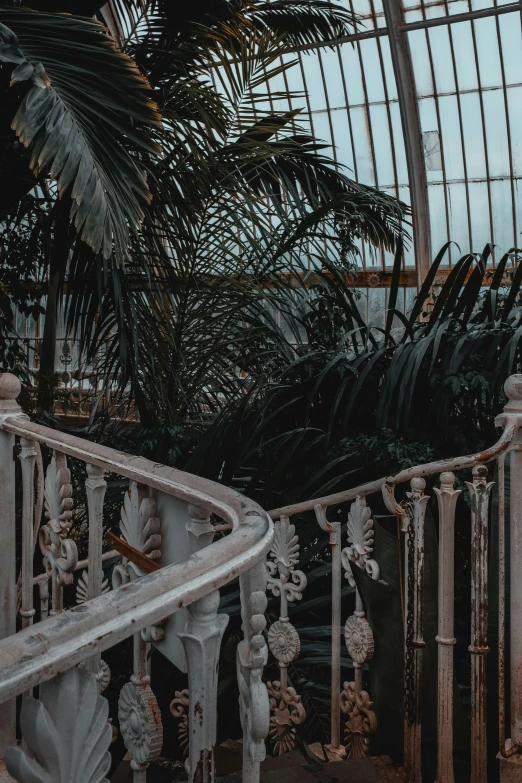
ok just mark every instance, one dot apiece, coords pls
pixel 511 424
pixel 40 652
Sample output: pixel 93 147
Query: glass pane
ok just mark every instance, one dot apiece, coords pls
pixel 502 207
pixel 514 100
pixel 421 62
pixel 480 222
pixel 488 52
pixel 372 70
pixel 511 42
pixel 333 78
pixel 382 146
pixel 352 74
pixel 361 139
pixel 473 135
pixel 458 216
pixel 439 232
pixel 496 133
pixel 442 59
pixel 451 137
pixel 464 52
pixel 314 81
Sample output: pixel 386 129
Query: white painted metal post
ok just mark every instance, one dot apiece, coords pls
pixel 95 486
pixel 447 497
pixel 9 390
pixel 334 528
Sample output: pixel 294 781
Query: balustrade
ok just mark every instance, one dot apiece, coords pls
pixel 166 582
pixel 166 518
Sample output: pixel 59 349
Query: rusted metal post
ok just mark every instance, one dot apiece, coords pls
pixel 447 498
pixel 9 391
pixel 479 492
pixel 414 632
pixel 510 758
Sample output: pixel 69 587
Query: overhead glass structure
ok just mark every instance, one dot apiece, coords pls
pixel 425 102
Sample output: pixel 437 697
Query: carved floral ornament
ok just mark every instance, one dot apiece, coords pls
pixel 82 587
pixel 360 541
pixel 361 723
pixel 178 708
pixel 359 639
pixel 139 527
pixel 283 558
pixel 287 712
pixel 284 642
pixel 66 731
pixel 140 722
pixel 60 553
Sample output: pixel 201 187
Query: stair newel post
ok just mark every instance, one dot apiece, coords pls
pixel 447 498
pixel 334 529
pixel 9 391
pixel 414 649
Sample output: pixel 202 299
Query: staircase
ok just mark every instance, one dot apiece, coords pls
pixel 293 767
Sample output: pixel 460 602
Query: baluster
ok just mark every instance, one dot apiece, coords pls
pixel 334 528
pixel 252 655
pixel 414 632
pixel 27 461
pixel 138 712
pixel 95 486
pixel 355 702
pixel 201 640
pixel 285 582
pixel 59 551
pixel 447 499
pixel 9 391
pixel 479 492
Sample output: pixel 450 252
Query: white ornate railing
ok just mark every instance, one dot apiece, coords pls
pixel 167 517
pixel 353 700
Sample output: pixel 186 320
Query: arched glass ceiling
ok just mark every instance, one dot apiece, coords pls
pixel 459 156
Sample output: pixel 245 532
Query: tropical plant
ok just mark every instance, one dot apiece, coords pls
pixel 239 194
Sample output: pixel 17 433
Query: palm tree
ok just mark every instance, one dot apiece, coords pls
pixel 77 121
pixel 241 195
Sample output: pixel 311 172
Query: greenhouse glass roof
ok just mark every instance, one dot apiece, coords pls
pixel 431 113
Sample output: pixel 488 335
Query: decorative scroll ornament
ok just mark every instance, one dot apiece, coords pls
pixel 140 528
pixel 284 642
pixel 360 541
pixel 60 553
pixel 361 723
pixel 287 713
pixel 359 639
pixel 178 707
pixel 82 587
pixel 66 731
pixel 140 722
pixel 285 556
